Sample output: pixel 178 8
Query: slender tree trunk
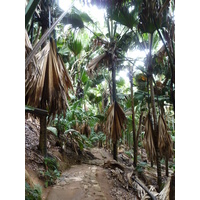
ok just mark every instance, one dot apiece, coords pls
pixel 155 123
pixel 43 136
pixel 151 163
pixel 159 178
pixel 133 117
pixel 138 133
pixel 166 165
pixel 114 99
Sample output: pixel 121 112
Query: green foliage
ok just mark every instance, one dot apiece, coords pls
pixel 53 130
pixel 126 40
pixel 141 166
pixel 73 19
pixel 124 16
pixel 129 153
pixel 30 9
pixel 51 163
pixel 75 46
pixel 51 173
pixel 33 194
pixel 29 108
pixel 82 140
pixel 97 137
pixel 172 166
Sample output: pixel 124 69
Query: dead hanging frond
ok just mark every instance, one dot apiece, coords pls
pixel 148 141
pixel 115 121
pixel 164 139
pixel 49 89
pixel 33 64
pixel 95 62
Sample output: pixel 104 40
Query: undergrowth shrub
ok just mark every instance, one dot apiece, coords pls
pixel 51 173
pixel 33 193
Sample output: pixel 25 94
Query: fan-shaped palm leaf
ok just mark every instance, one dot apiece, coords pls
pixel 33 64
pixel 148 141
pixel 123 16
pixel 75 46
pixel 115 121
pixel 164 139
pixel 50 88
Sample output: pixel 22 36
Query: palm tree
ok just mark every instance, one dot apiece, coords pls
pixel 152 17
pixel 48 88
pixel 114 49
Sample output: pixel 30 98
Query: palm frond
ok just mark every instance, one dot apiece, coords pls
pixel 30 9
pixel 50 88
pixel 94 62
pixel 148 141
pixel 28 48
pixel 123 16
pixel 75 46
pixel 164 139
pixel 115 121
pixel 44 37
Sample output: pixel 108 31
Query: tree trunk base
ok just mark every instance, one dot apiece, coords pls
pixel 43 136
pixel 115 151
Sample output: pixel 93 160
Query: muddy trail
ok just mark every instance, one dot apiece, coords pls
pixel 86 181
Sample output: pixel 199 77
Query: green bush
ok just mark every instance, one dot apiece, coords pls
pixel 51 173
pixel 141 166
pixel 33 194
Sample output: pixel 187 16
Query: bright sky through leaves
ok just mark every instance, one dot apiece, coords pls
pixel 98 16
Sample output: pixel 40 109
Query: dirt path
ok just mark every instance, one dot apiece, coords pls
pixel 85 181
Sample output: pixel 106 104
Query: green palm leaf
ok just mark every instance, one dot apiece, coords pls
pixel 123 16
pixel 30 8
pixel 75 46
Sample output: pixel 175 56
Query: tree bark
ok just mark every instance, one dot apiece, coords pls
pixel 155 122
pixel 155 130
pixel 166 166
pixel 115 151
pixel 133 118
pixel 138 133
pixel 114 99
pixel 43 136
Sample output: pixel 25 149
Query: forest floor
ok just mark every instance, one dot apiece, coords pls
pixel 88 175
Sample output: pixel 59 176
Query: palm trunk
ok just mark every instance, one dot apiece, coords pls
pixel 114 99
pixel 155 130
pixel 151 163
pixel 43 136
pixel 133 117
pixel 138 133
pixel 166 165
pixel 155 123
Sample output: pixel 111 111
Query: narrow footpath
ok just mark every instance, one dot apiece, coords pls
pixel 86 181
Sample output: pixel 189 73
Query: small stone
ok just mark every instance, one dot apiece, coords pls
pixel 85 187
pixel 62 183
pixel 94 181
pixel 97 187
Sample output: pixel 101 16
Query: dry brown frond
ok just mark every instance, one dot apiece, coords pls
pixel 164 139
pixel 49 89
pixel 33 64
pixel 115 121
pixel 94 62
pixel 148 141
